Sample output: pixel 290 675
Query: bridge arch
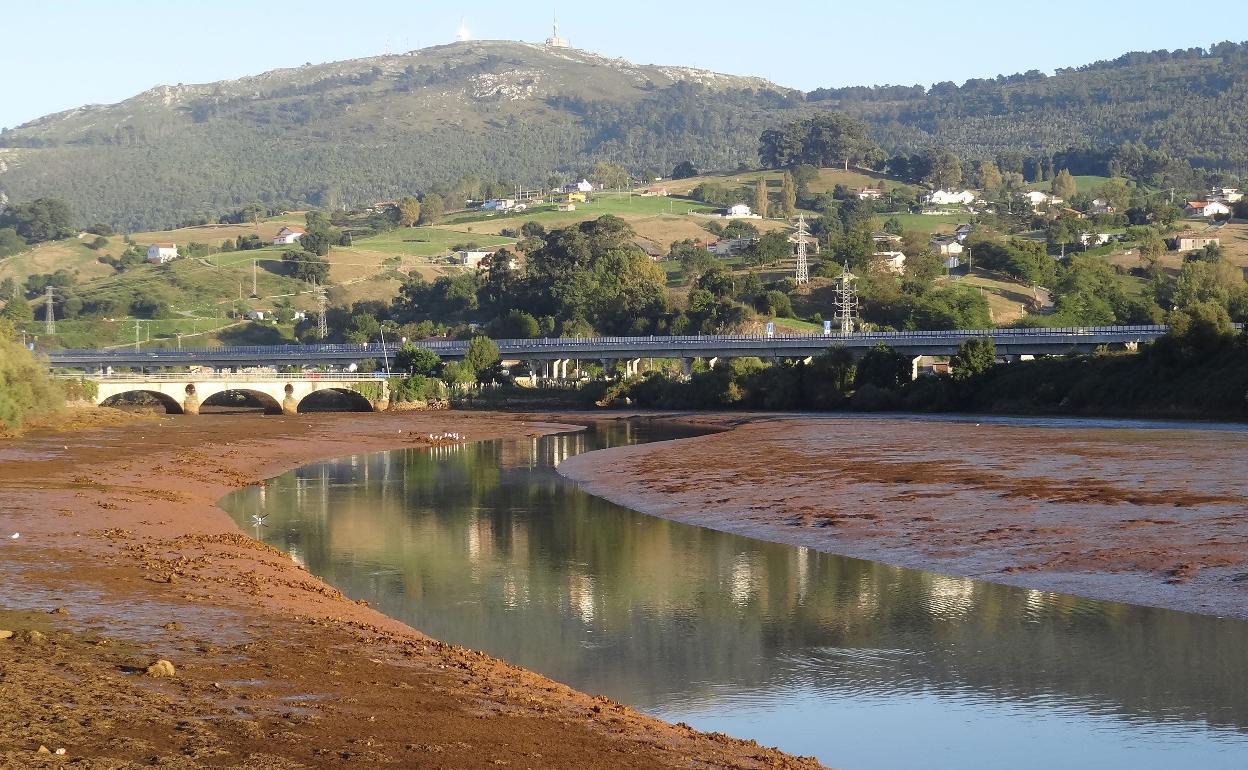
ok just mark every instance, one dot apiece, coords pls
pixel 239 396
pixel 171 404
pixel 323 400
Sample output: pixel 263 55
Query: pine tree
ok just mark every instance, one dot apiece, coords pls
pixel 760 198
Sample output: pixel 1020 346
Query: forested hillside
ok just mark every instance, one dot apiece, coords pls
pixel 350 133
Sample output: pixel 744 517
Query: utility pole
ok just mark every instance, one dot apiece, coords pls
pixel 322 304
pixel 385 357
pixel 803 267
pixel 845 300
pixel 49 318
pixel 254 293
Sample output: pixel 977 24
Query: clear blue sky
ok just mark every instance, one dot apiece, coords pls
pixel 59 54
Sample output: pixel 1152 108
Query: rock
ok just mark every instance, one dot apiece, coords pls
pixel 5 634
pixel 161 667
pixel 32 637
pixel 59 752
pixel 59 611
pixel 43 750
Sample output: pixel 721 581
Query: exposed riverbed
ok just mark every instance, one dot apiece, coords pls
pixel 861 664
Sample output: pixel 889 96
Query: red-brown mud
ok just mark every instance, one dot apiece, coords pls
pixel 123 559
pixel 1155 516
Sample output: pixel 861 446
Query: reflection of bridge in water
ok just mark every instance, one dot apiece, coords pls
pixel 185 393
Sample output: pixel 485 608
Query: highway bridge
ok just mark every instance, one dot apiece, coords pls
pixel 552 355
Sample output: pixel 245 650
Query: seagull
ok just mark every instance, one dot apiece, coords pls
pixel 15 535
pixel 259 520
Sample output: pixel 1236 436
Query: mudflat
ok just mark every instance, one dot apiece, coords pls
pixel 122 560
pixel 1148 513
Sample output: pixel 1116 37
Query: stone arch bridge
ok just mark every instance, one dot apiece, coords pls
pixel 184 393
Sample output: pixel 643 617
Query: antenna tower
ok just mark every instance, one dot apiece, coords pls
pixel 803 266
pixel 845 300
pixel 49 318
pixel 322 304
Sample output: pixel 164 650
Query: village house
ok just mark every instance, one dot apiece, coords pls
pixel 885 239
pixel 287 235
pixel 653 192
pixel 867 194
pixel 738 210
pixel 567 207
pixel 962 232
pixel 952 262
pixel 499 204
pixel 492 261
pixel 1102 206
pixel 1226 194
pixel 893 261
pixel 1194 241
pixel 573 197
pixel 1206 209
pixel 946 245
pixel 1089 240
pixel 730 247
pixel 1038 198
pixel 583 186
pixel 160 253
pixel 474 257
pixel 949 198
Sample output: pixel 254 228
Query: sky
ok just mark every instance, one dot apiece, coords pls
pixel 59 54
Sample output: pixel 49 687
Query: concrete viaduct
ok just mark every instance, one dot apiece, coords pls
pixel 279 393
pixel 552 357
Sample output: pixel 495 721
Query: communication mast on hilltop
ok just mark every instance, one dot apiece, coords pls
pixel 554 41
pixel 845 300
pixel 803 266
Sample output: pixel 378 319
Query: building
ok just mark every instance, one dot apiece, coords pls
pixel 474 257
pixel 952 262
pixel 893 261
pixel 160 253
pixel 1227 194
pixel 738 210
pixel 499 204
pixel 885 239
pixel 653 192
pixel 1194 241
pixel 258 315
pixel 867 194
pixel 287 235
pixel 1089 240
pixel 1039 198
pixel 949 198
pixel 554 41
pixel 583 186
pixel 574 197
pixel 1102 206
pixel 946 245
pixel 1207 209
pixel 730 247
pixel 567 207
pixel 962 233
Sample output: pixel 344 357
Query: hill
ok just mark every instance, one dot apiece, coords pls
pixel 358 131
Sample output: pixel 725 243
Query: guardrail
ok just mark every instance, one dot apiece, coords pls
pixel 226 377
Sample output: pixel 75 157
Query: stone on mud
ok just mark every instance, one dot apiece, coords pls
pixel 161 667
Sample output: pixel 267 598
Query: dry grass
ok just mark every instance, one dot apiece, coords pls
pixel 214 234
pixel 76 418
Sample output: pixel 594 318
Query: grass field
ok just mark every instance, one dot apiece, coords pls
pixel 1083 184
pixel 828 179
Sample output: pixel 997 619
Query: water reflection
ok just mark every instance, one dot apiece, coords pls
pixel 863 665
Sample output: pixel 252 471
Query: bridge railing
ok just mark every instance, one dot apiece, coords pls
pixel 227 377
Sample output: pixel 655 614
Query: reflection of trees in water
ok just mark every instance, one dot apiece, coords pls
pixel 483 544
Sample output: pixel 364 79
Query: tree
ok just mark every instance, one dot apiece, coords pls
pixel 317 241
pixel 457 374
pixel 481 358
pixel 18 310
pixel 306 266
pixel 25 388
pixel 416 360
pixel 975 356
pixel 1064 185
pixel 684 170
pixel 769 249
pixel 990 179
pixel 884 368
pixel 944 169
pixel 788 195
pixel 431 209
pixel 409 211
pixel 1115 193
pixel 43 219
pixel 517 325
pixel 822 140
pixel 760 198
pixel 610 175
pixel 10 242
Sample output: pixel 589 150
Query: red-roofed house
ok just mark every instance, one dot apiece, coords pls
pixel 1206 209
pixel 287 235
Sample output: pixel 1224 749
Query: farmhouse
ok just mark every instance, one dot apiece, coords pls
pixel 946 245
pixel 893 261
pixel 160 253
pixel 868 194
pixel 287 235
pixel 583 186
pixel 1206 209
pixel 474 257
pixel 1194 241
pixel 738 210
pixel 730 247
pixel 499 204
pixel 1226 194
pixel 949 198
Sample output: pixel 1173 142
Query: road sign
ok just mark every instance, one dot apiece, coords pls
pixel 771 329
pixel 827 327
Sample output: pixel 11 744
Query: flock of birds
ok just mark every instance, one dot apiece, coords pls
pixel 446 436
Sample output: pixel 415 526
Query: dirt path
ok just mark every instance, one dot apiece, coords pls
pixel 1156 517
pixel 124 558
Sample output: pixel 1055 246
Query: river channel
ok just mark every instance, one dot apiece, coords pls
pixel 866 666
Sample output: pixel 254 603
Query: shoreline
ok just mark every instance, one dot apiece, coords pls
pixel 1136 530
pixel 124 557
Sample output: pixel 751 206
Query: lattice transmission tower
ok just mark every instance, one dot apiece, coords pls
pixel 322 305
pixel 49 310
pixel 803 266
pixel 845 300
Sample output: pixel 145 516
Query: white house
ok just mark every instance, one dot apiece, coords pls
pixel 1227 194
pixel 868 193
pixel 160 253
pixel 287 235
pixel 962 233
pixel 499 204
pixel 946 245
pixel 738 210
pixel 474 257
pixel 567 207
pixel 257 315
pixel 893 261
pixel 1094 239
pixel 1040 198
pixel 584 186
pixel 949 198
pixel 953 262
pixel 1192 241
pixel 1207 209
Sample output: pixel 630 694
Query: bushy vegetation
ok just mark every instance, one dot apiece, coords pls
pixel 26 390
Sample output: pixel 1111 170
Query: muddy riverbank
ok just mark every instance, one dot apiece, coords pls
pixel 1146 513
pixel 123 558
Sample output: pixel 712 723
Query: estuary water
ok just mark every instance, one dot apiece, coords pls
pixel 866 666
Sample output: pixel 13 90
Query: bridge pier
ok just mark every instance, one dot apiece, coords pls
pixel 190 404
